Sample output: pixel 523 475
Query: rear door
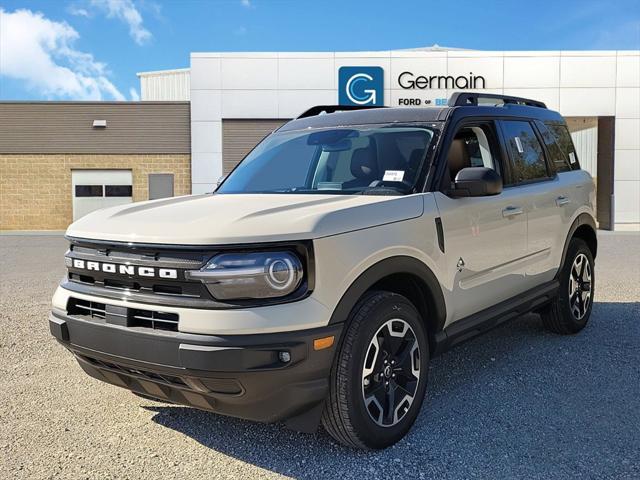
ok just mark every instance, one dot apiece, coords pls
pixel 485 237
pixel 543 195
pixel 568 194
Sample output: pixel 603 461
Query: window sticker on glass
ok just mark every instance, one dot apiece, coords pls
pixel 572 157
pixel 519 144
pixel 393 176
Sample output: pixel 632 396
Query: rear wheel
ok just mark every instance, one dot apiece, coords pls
pixel 571 310
pixel 379 375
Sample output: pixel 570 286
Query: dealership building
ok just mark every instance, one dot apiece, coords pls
pixel 193 125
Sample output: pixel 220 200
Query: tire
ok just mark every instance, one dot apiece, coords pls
pixel 383 326
pixel 570 311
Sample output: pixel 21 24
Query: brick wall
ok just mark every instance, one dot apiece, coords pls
pixel 35 190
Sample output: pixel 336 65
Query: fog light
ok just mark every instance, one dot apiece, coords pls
pixel 285 357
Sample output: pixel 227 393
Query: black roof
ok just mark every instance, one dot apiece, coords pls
pixel 385 115
pixel 460 104
pixel 367 116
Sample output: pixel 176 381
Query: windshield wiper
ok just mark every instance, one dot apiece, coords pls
pixel 382 190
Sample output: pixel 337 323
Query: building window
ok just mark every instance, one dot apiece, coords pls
pixel 118 191
pixel 88 190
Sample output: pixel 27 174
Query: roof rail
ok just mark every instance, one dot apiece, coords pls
pixel 459 99
pixel 320 109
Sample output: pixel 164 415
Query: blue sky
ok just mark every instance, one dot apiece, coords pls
pixel 92 49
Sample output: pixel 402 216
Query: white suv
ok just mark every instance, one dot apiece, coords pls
pixel 346 250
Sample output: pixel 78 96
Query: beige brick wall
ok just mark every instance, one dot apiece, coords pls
pixel 35 190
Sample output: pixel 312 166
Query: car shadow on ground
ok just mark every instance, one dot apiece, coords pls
pixel 516 402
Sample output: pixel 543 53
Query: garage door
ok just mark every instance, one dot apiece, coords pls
pixel 240 136
pixel 94 189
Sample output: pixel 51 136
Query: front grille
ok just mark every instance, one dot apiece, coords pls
pixel 177 259
pixel 153 319
pixel 123 316
pixel 79 307
pixel 91 277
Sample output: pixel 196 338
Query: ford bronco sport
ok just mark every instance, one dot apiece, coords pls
pixel 346 250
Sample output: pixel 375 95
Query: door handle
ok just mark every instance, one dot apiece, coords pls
pixel 512 211
pixel 562 200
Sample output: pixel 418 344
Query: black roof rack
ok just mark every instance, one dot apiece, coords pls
pixel 320 109
pixel 460 99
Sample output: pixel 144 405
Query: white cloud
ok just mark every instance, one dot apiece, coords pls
pixel 127 12
pixel 133 93
pixel 246 3
pixel 41 53
pixel 78 11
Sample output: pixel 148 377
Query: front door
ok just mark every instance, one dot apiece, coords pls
pixel 485 237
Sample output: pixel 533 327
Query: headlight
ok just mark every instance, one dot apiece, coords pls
pixel 250 275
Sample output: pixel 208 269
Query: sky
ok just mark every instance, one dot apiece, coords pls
pixel 92 49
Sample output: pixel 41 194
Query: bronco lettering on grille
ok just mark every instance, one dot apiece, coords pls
pixel 125 269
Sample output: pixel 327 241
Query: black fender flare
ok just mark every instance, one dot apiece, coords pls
pixel 389 266
pixel 582 219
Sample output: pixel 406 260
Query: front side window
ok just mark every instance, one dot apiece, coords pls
pixel 472 146
pixel 334 161
pixel 526 156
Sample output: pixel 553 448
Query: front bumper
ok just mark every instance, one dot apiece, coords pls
pixel 237 375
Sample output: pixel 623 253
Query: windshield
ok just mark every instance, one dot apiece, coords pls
pixel 376 160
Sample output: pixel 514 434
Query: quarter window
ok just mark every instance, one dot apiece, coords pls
pixel 563 139
pixel 558 159
pixel 525 152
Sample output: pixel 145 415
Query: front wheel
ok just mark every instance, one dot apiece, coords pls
pixel 570 311
pixel 379 376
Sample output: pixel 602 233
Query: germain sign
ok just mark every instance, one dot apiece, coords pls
pixel 407 81
pixel 361 86
pixel 364 85
pixel 422 83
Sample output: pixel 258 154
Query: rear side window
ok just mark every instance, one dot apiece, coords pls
pixel 526 157
pixel 563 139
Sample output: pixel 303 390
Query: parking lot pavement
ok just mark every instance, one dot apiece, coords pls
pixel 515 403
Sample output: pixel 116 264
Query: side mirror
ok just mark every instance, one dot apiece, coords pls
pixel 477 182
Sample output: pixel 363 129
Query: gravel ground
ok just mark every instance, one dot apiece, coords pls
pixel 515 403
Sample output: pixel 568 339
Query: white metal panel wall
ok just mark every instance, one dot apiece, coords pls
pixel 586 143
pixel 165 85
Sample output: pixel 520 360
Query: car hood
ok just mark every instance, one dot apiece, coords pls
pixel 243 218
